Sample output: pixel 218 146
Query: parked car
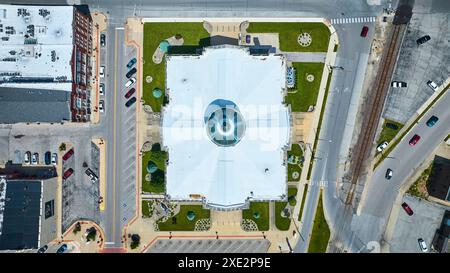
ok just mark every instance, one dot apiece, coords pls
pixel 247 39
pixel 423 39
pixel 129 93
pixel 62 249
pixel 432 85
pixel 414 140
pixel 42 249
pixel 131 72
pixel 68 173
pixel 407 208
pixel 389 174
pixel 47 158
pixel 131 63
pixel 102 89
pixel 130 102
pixel 364 31
pixel 432 121
pixel 35 159
pixel 391 126
pixel 130 82
pixel 102 39
pixel 102 71
pixel 54 159
pixel 68 154
pixel 396 84
pixel 382 146
pixel 27 157
pixel 422 245
pixel 101 106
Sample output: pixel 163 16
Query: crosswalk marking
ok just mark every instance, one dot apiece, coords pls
pixel 338 21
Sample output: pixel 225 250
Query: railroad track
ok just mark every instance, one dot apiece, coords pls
pixel 373 108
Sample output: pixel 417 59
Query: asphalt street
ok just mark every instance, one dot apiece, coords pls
pixel 403 160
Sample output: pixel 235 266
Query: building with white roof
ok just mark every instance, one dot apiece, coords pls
pixel 226 128
pixel 45 48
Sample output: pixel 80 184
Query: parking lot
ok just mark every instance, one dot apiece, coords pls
pixel 423 224
pixel 419 64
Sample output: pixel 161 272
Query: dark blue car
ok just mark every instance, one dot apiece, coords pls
pixel 131 63
pixel 62 249
pixel 432 121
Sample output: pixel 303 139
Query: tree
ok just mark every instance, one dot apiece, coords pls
pixel 77 228
pixel 157 177
pixel 62 147
pixel 135 241
pixel 92 234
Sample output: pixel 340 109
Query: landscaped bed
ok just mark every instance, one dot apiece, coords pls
pixel 387 134
pixel 297 152
pixel 282 223
pixel 305 93
pixel 180 222
pixel 289 31
pixel 194 36
pixel 158 157
pixel 261 211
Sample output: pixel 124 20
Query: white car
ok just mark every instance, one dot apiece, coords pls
pixel 54 159
pixel 382 146
pixel 130 82
pixel 101 106
pixel 102 71
pixel 102 89
pixel 396 84
pixel 422 245
pixel 26 158
pixel 35 159
pixel 432 85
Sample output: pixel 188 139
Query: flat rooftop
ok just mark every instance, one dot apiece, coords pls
pixel 36 44
pixel 21 213
pixel 226 127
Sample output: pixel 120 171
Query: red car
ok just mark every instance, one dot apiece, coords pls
pixel 364 31
pixel 129 93
pixel 68 173
pixel 414 140
pixel 68 154
pixel 408 209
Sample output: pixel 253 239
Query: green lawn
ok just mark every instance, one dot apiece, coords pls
pixel 282 223
pixel 194 35
pixel 300 213
pixel 295 151
pixel 145 209
pixel 305 92
pixel 182 223
pixel 292 196
pixel 288 34
pixel 159 157
pixel 387 134
pixel 321 232
pixel 263 209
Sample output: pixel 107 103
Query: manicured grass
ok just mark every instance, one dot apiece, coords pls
pixel 295 151
pixel 288 35
pixel 322 111
pixel 145 209
pixel 182 223
pixel 387 134
pixel 292 196
pixel 160 163
pixel 305 92
pixel 263 209
pixel 194 36
pixel 321 232
pixel 282 223
pixel 300 213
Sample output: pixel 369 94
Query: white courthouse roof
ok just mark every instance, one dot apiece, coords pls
pixel 254 167
pixel 37 42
